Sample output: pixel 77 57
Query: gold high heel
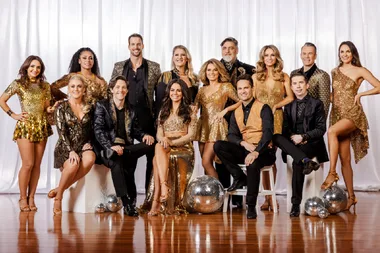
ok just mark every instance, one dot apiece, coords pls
pixel 164 198
pixel 24 208
pixel 331 178
pixel 57 211
pixel 352 201
pixel 33 207
pixel 154 212
pixel 52 193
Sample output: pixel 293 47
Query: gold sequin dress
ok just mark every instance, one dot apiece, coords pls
pixel 343 107
pixel 96 88
pixel 181 162
pixel 33 97
pixel 272 97
pixel 208 129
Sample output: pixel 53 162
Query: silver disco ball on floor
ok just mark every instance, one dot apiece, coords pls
pixel 113 203
pixel 335 199
pixel 204 194
pixel 312 205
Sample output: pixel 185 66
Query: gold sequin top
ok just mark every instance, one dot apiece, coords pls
pixel 271 97
pixel 208 129
pixel 33 98
pixel 175 129
pixel 343 107
pixel 96 88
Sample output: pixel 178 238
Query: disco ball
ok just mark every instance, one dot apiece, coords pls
pixel 335 199
pixel 113 203
pixel 312 205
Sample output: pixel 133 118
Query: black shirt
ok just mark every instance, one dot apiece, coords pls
pixel 120 125
pixel 300 115
pixel 266 115
pixel 136 92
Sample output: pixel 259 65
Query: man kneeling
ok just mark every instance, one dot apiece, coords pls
pixel 302 136
pixel 249 134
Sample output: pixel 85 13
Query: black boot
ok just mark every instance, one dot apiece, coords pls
pixel 295 211
pixel 251 213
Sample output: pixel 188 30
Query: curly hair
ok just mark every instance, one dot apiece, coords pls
pixel 261 69
pixel 23 71
pixel 86 105
pixel 74 63
pixel 355 54
pixel 184 110
pixel 189 65
pixel 223 75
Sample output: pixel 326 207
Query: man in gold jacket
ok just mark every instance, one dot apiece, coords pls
pixel 249 135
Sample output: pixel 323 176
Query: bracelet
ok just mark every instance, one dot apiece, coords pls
pixel 9 112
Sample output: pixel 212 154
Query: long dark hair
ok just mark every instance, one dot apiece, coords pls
pixel 23 71
pixel 74 63
pixel 184 110
pixel 355 54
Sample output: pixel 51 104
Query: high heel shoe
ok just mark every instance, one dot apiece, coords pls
pixel 164 198
pixel 352 201
pixel 57 211
pixel 23 204
pixel 331 178
pixel 265 205
pixel 154 212
pixel 52 193
pixel 33 207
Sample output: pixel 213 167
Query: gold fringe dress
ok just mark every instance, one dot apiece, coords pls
pixel 33 97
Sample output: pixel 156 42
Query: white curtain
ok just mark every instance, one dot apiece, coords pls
pixel 55 29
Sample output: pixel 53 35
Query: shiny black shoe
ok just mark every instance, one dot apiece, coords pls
pixel 251 213
pixel 295 211
pixel 309 167
pixel 130 210
pixel 237 183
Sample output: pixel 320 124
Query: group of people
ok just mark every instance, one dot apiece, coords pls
pixel 246 113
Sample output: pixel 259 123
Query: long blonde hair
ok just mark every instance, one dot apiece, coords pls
pixel 85 100
pixel 261 69
pixel 189 65
pixel 223 75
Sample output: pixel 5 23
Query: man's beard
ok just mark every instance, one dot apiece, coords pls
pixel 227 58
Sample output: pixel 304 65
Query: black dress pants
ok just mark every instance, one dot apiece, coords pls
pixel 297 152
pixel 123 169
pixel 231 155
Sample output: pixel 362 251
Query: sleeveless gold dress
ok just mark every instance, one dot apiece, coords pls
pixel 343 107
pixel 272 97
pixel 33 97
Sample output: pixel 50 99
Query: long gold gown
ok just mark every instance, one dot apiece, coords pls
pixel 181 162
pixel 272 97
pixel 33 97
pixel 208 129
pixel 343 107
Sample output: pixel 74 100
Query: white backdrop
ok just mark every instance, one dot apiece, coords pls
pixel 55 29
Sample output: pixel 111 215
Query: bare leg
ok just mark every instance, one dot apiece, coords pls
pixel 27 156
pixel 266 185
pixel 345 158
pixel 208 156
pixel 39 149
pixel 162 160
pixel 155 209
pixel 86 163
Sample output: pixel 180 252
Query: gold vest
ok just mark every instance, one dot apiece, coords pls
pixel 253 130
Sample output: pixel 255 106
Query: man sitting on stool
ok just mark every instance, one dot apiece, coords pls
pixel 249 134
pixel 302 136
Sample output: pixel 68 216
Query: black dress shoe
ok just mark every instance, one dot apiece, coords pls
pixel 251 213
pixel 309 167
pixel 130 210
pixel 237 183
pixel 295 211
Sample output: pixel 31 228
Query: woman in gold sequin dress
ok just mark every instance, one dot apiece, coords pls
pixel 272 87
pixel 85 63
pixel 73 153
pixel 32 127
pixel 173 162
pixel 212 98
pixel 348 123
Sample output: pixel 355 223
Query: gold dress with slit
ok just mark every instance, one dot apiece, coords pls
pixel 33 97
pixel 343 107
pixel 181 163
pixel 271 97
pixel 208 129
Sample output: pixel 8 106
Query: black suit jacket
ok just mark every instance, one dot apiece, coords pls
pixel 105 127
pixel 314 126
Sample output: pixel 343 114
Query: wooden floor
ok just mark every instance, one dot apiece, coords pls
pixel 230 232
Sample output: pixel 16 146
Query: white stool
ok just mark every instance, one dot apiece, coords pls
pixel 311 186
pixel 262 192
pixel 89 191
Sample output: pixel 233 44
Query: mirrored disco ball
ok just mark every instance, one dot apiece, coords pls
pixel 101 208
pixel 204 194
pixel 335 199
pixel 312 205
pixel 113 203
pixel 322 212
